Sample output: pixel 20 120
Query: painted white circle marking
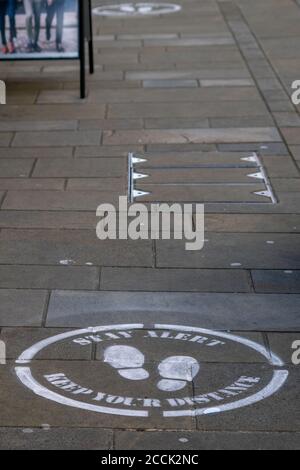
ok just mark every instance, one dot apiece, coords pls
pixel 126 365
pixel 136 9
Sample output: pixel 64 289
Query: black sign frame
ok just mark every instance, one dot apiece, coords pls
pixel 85 35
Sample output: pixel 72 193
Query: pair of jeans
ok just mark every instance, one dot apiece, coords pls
pixel 33 10
pixel 56 8
pixel 8 7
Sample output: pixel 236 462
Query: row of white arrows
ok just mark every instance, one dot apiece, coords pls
pixel 252 159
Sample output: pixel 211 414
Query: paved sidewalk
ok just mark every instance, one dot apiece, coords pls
pixel 202 356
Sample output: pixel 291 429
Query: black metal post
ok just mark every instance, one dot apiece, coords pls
pixel 81 48
pixel 91 45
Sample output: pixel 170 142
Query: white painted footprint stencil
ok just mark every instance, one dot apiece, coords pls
pixel 176 371
pixel 128 360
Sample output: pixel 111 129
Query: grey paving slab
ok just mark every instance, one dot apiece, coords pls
pixel 20 125
pixel 17 84
pixel 295 150
pixel 110 124
pixel 207 110
pixel 287 203
pixel 192 136
pixel 287 119
pixel 226 82
pixel 175 123
pixel 145 67
pixel 47 219
pixel 175 280
pixel 64 138
pixel 170 84
pixel 21 184
pixel 193 57
pixel 180 147
pixel 213 41
pixel 56 247
pixel 280 106
pixel 98 76
pixel 48 112
pixel 168 63
pixel 271 223
pixel 217 440
pixel 274 95
pixel 281 167
pixel 36 152
pixel 45 438
pixel 49 277
pixel 15 168
pixel 287 282
pixel 107 151
pixel 5 139
pixel 161 26
pixel 118 58
pixel 287 68
pixel 206 73
pixel 59 200
pixel 70 168
pixel 104 37
pixel 112 84
pixel 260 68
pixel 118 44
pixel 214 34
pixel 291 135
pixel 18 340
pixel 237 312
pixel 281 47
pixel 118 83
pixel 243 121
pixel 140 36
pixel 264 148
pixel 231 68
pixel 254 251
pixel 276 413
pixel 19 307
pixel 269 84
pixel 172 95
pixel 96 184
pixel 286 184
pixel 21 97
